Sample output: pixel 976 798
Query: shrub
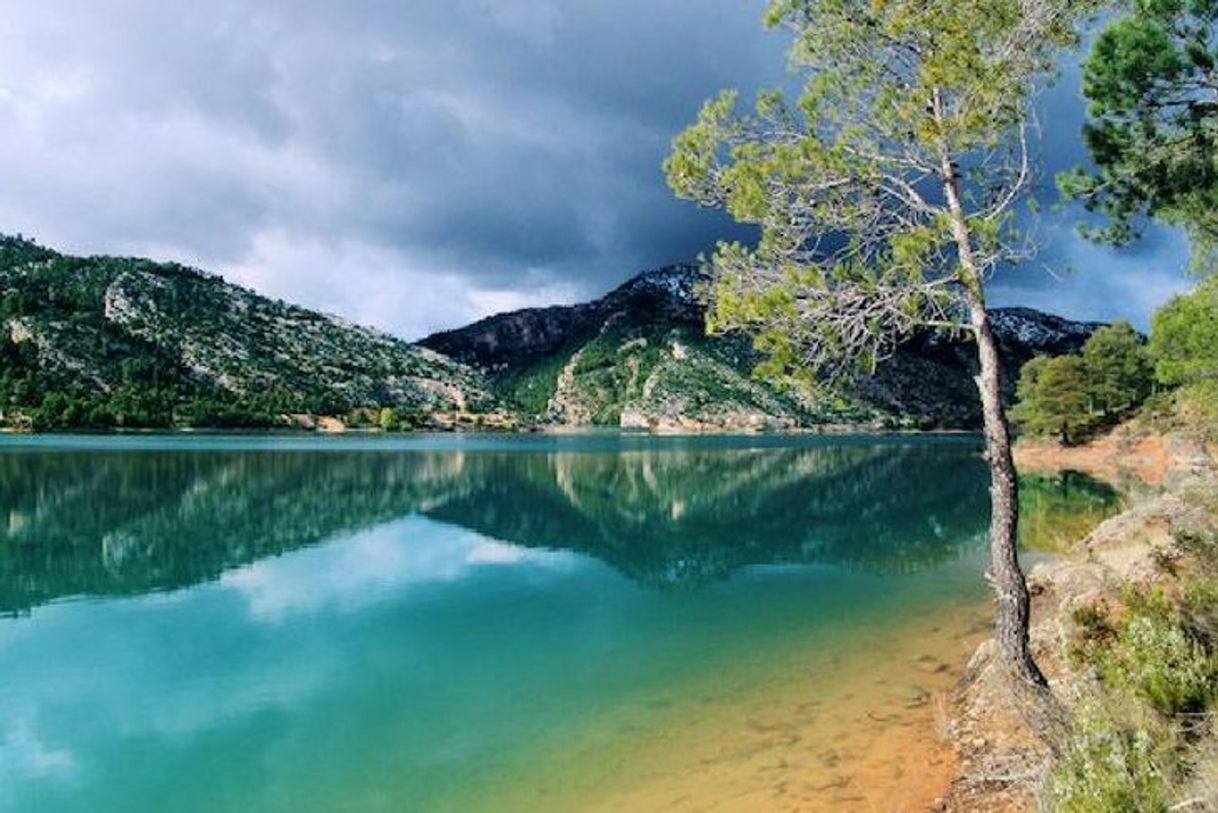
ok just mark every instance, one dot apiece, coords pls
pixel 1106 767
pixel 1158 661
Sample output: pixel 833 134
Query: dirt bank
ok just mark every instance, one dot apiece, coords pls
pixel 1129 456
pixel 1002 765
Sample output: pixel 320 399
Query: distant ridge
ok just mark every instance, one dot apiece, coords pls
pixel 639 357
pixel 115 342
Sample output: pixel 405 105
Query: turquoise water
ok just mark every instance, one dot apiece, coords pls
pixel 294 624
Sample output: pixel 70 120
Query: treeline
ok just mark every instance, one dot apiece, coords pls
pixel 1119 373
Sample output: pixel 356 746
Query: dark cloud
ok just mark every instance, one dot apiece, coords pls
pixel 412 164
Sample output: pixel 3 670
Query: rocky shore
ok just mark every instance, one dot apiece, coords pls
pixel 1171 482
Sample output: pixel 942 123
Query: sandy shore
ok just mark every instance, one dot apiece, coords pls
pixel 810 731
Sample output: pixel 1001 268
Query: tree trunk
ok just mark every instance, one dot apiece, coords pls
pixel 1006 576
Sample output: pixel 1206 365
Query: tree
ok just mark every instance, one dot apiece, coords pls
pixel 1069 396
pixel 1184 338
pixel 1117 369
pixel 387 419
pixel 1054 398
pixel 884 198
pixel 1152 126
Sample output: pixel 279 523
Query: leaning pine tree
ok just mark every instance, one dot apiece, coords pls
pixel 885 198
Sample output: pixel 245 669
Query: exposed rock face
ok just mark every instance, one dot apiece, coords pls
pixel 639 357
pixel 514 340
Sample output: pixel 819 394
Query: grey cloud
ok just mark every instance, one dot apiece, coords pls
pixel 501 143
pixel 409 164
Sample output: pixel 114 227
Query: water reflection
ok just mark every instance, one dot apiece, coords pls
pixel 457 643
pixel 116 523
pixel 1061 508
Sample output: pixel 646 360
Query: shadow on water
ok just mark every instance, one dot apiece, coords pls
pixel 106 523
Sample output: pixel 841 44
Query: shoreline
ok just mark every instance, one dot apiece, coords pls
pixel 1002 765
pixel 798 729
pixel 861 430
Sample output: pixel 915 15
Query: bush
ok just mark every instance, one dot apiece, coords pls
pixel 1162 664
pixel 1106 767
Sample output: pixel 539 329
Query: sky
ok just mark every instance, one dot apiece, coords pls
pixel 417 165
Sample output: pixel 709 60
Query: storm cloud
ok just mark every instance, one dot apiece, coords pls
pixel 416 165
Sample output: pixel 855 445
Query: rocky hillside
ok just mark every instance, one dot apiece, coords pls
pixel 120 342
pixel 105 341
pixel 640 357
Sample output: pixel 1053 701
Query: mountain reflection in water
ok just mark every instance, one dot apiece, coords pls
pixel 114 522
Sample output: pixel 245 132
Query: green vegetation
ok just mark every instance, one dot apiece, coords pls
pixel 1184 339
pixel 1152 126
pixel 639 364
pixel 1107 768
pixel 1053 398
pixel 530 388
pixel 1184 344
pixel 1116 375
pixel 1144 739
pixel 1071 397
pixel 1136 743
pixel 103 342
pixel 1118 370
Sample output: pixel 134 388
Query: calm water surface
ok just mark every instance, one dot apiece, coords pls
pixel 470 623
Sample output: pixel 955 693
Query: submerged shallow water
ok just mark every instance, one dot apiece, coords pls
pixel 601 622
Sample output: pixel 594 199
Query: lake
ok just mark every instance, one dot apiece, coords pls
pixel 477 623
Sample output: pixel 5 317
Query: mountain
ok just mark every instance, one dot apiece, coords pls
pixel 639 357
pixel 110 341
pixel 124 342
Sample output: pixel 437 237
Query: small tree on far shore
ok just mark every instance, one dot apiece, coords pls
pixel 1118 370
pixel 885 197
pixel 1053 398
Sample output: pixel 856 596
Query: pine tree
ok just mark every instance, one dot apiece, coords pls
pixel 1152 125
pixel 1118 370
pixel 1054 398
pixel 884 198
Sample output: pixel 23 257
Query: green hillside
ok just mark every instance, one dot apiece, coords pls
pixel 119 342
